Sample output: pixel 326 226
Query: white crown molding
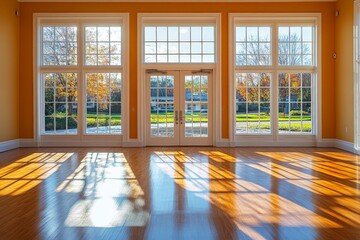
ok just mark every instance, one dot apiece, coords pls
pixel 112 1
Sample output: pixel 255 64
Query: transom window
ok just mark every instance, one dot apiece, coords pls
pixel 274 76
pixel 59 45
pixel 179 44
pixel 81 69
pixel 103 46
pixel 253 45
pixel 295 45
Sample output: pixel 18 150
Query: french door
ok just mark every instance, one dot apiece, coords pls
pixel 178 108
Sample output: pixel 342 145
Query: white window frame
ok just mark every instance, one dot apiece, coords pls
pixel 81 20
pixel 179 19
pixel 276 139
pixel 357 76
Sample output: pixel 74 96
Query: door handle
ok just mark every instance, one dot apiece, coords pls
pixel 176 117
pixel 181 117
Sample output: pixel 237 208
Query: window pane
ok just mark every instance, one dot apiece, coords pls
pixel 103 108
pixel 59 46
pixel 294 103
pixel 103 46
pixel 175 44
pixel 60 103
pixel 253 103
pixel 253 46
pixel 295 46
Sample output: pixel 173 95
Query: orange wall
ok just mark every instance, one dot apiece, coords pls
pixel 328 44
pixel 344 71
pixel 9 71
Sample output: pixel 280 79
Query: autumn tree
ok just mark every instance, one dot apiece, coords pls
pixel 247 88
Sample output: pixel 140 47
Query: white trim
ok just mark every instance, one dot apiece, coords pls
pixel 134 1
pixel 318 87
pixel 275 139
pixel 28 142
pixel 326 142
pixel 223 142
pixel 323 143
pixel 81 19
pixel 337 143
pixel 132 143
pixel 346 146
pixel 214 18
pixel 356 42
pixel 9 145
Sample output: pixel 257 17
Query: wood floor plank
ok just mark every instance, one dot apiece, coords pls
pixel 179 193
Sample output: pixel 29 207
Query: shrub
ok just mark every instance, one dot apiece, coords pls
pixel 298 113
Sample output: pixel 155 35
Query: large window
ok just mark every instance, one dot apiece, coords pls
pixel 275 75
pixel 81 69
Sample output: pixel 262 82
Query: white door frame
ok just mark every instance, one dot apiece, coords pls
pixel 215 67
pixel 356 75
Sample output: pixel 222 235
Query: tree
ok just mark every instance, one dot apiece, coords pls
pixel 257 53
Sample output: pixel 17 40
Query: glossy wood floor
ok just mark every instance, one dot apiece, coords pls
pixel 179 193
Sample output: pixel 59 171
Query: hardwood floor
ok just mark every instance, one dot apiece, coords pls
pixel 179 193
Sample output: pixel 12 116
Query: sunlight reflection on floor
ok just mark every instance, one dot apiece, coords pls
pixel 113 196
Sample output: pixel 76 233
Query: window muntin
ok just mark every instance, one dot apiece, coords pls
pixel 59 45
pixel 102 46
pixel 103 103
pixel 253 46
pixel 295 103
pixel 179 44
pixel 253 103
pixel 60 103
pixel 295 45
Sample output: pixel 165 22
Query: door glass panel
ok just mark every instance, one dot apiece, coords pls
pixel 162 106
pixel 196 106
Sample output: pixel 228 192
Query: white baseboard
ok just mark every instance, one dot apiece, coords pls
pixel 223 143
pixel 32 143
pixel 346 146
pixel 9 145
pixel 27 142
pixel 327 142
pixel 133 143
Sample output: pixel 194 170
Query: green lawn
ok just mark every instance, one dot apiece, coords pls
pixel 266 118
pixel 294 127
pixel 104 119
